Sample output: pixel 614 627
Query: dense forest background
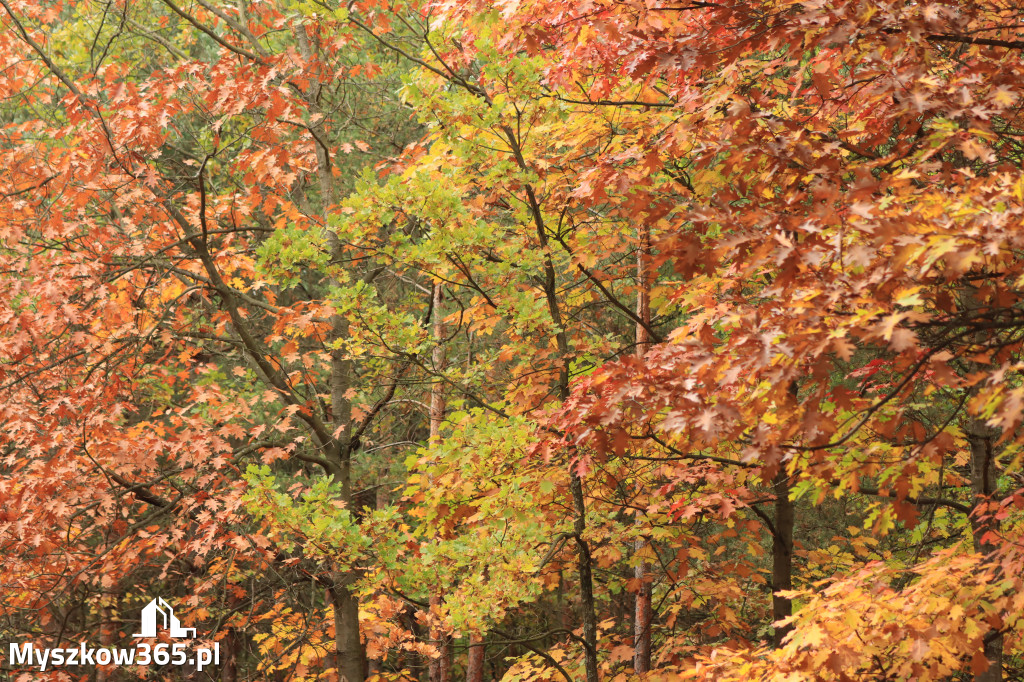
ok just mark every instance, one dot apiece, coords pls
pixel 532 340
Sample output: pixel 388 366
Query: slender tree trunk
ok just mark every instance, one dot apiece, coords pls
pixel 103 674
pixel 982 439
pixel 782 554
pixel 349 650
pixel 440 667
pixel 984 472
pixel 643 614
pixel 475 659
pixel 642 611
pixel 375 666
pixel 229 666
pixel 643 297
pixel 437 400
pixel 588 612
pixel 346 605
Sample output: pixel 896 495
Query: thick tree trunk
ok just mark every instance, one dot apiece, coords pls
pixel 348 647
pixel 782 554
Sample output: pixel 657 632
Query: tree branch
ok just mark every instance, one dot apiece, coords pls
pixel 208 31
pixel 990 42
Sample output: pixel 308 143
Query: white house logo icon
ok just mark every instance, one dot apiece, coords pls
pixel 149 620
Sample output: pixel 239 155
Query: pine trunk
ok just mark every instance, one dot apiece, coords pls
pixel 475 659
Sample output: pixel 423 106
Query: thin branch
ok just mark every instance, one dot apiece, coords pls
pixel 235 25
pixel 377 407
pixel 158 39
pixel 990 42
pixel 952 504
pixel 8 195
pixel 208 31
pixel 701 458
pixel 615 103
pixel 543 654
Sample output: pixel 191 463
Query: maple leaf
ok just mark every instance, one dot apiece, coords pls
pixel 902 339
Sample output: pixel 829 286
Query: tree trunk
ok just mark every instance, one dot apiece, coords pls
pixel 643 297
pixel 229 668
pixel 782 554
pixel 440 667
pixel 103 673
pixel 588 613
pixel 475 659
pixel 983 484
pixel 642 612
pixel 642 615
pixel 437 401
pixel 348 647
pixel 981 439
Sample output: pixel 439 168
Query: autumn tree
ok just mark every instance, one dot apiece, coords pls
pixel 536 340
pixel 167 169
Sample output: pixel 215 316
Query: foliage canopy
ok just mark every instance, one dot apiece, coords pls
pixel 529 340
